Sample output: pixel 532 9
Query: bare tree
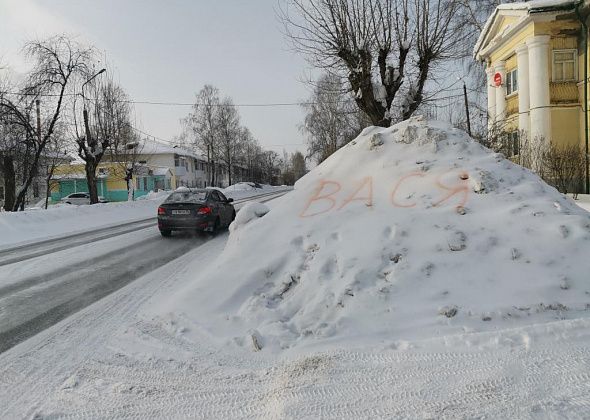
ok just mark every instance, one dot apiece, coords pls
pixel 388 48
pixel 58 61
pixel 10 143
pixel 124 152
pixel 228 135
pixel 332 118
pixel 109 123
pixel 298 165
pixel 202 123
pixel 270 162
pixel 565 167
pixel 55 154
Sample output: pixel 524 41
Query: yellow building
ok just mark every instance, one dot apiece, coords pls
pixel 534 54
pixel 110 180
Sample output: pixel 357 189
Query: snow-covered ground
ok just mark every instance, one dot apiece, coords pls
pixel 413 274
pixel 583 201
pixel 63 219
pixel 116 360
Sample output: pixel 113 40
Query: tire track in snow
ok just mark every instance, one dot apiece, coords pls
pixel 373 386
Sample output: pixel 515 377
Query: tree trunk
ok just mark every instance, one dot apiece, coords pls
pixel 212 173
pixel 47 191
pixel 90 168
pixel 9 182
pixel 229 174
pixel 129 180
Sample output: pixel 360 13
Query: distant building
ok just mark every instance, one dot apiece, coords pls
pixel 188 168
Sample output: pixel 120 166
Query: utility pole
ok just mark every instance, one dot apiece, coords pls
pixel 585 107
pixel 38 106
pixel 467 109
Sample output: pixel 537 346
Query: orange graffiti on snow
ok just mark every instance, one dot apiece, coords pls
pixel 317 196
pixel 353 197
pixel 327 190
pixel 461 188
pixel 394 192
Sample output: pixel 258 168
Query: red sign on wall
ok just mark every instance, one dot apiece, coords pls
pixel 497 79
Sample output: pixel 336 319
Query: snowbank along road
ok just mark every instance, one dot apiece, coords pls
pixel 45 282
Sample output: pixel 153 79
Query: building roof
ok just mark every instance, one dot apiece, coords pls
pixel 161 171
pixel 152 147
pixel 524 9
pixel 539 5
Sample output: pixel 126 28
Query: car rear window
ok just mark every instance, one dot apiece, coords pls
pixel 187 197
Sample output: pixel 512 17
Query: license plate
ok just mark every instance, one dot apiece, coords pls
pixel 181 212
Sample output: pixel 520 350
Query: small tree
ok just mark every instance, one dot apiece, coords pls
pixel 298 165
pixel 124 152
pixel 228 135
pixel 55 154
pixel 202 123
pixel 565 167
pixel 332 118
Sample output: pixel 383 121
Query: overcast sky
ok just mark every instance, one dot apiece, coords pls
pixel 166 50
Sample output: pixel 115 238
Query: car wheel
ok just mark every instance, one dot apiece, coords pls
pixel 166 233
pixel 67 202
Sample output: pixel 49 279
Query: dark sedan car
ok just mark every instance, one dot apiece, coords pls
pixel 195 209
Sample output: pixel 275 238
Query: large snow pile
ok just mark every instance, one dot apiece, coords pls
pixel 407 233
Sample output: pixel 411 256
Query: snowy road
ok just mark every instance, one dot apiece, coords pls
pixel 49 295
pixel 43 283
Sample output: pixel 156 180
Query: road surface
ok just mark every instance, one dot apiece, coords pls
pixel 45 282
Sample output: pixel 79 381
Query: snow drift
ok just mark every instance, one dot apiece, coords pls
pixel 409 232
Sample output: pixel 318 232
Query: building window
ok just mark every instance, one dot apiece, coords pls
pixel 512 81
pixel 511 144
pixel 176 161
pixel 564 65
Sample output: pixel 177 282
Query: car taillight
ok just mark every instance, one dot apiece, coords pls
pixel 161 211
pixel 204 210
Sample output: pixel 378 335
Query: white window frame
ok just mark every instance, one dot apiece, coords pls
pixel 553 66
pixel 509 82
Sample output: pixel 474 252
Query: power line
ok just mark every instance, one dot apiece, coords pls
pixel 244 105
pixel 427 101
pixel 170 103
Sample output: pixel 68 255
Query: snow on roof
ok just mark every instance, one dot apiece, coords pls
pixel 532 6
pixel 161 171
pixel 407 233
pixel 537 4
pixel 76 175
pixel 151 147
